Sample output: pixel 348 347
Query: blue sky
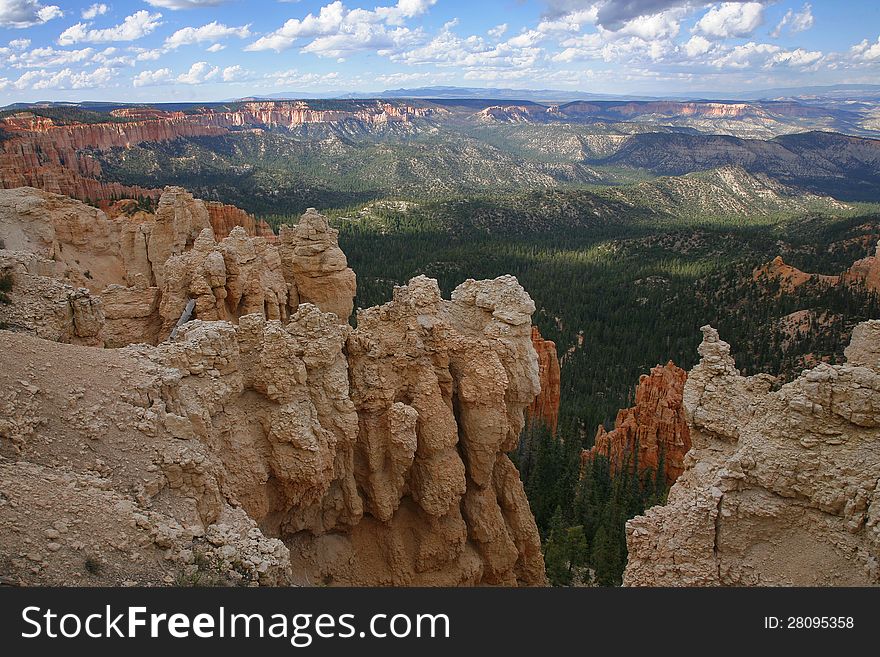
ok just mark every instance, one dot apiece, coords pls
pixel 181 50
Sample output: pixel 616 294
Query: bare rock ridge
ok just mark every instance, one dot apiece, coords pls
pixel 269 442
pixel 545 407
pixel 654 433
pixel 779 488
pixel 864 272
pixel 142 270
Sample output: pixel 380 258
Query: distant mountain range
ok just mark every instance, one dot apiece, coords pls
pixel 837 91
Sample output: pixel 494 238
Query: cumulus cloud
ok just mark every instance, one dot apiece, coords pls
pixel 234 73
pixel 185 4
pixel 136 26
pixel 48 57
pixel 798 58
pixel 213 32
pixel 795 21
pixel 26 13
pixel 865 51
pixel 572 22
pixel 65 79
pixel 696 46
pixel 746 56
pixel 498 31
pixel 663 25
pixel 337 31
pixel 293 78
pixel 152 78
pixel 731 19
pixel 93 11
pixel 199 73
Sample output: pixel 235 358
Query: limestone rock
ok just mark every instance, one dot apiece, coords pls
pixel 653 433
pixel 545 407
pixel 180 219
pixel 313 262
pixel 780 488
pixel 45 306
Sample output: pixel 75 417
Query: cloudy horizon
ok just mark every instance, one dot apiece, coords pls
pixel 204 50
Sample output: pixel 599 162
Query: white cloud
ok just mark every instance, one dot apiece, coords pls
pixel 20 44
pixel 697 46
pixel 213 31
pixel 95 10
pixel 152 78
pixel 26 13
pixel 798 58
pixel 473 53
pixel 795 22
pixel 136 26
pixel 731 19
pixel 199 73
pixel 571 22
pixel 48 57
pixel 111 57
pixel 866 51
pixel 664 25
pixel 293 78
pixel 746 56
pixel 337 31
pixel 145 54
pixel 234 73
pixel 217 47
pixel 498 31
pixel 185 4
pixel 65 79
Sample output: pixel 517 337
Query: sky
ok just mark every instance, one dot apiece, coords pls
pixel 206 50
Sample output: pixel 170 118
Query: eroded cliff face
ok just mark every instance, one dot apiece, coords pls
pixel 56 157
pixel 268 442
pixel 439 388
pixel 545 407
pixel 864 272
pixel 142 270
pixel 780 488
pixel 654 433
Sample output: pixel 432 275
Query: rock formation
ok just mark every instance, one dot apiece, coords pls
pixel 780 488
pixel 865 272
pixel 224 218
pixel 653 433
pixel 144 268
pixel 545 407
pixel 269 442
pixel 311 257
pixel 37 152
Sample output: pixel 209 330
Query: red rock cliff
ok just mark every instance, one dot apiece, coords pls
pixel 545 407
pixel 226 217
pixel 656 424
pixel 37 152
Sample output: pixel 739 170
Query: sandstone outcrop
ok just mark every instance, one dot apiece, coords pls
pixel 865 272
pixel 37 152
pixel 268 442
pixel 224 218
pixel 779 488
pixel 545 407
pixel 439 388
pixel 654 433
pixel 145 268
pixel 312 260
pixel 41 304
pixel 105 480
